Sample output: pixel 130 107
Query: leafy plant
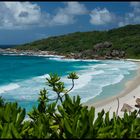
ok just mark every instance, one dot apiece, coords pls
pixel 66 119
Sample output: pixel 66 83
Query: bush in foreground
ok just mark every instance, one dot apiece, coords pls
pixel 64 117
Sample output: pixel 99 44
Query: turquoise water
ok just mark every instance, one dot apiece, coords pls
pixel 22 77
pixel 114 89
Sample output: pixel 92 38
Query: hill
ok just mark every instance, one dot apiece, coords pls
pixel 118 42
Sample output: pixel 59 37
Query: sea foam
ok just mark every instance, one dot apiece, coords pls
pixel 73 60
pixel 93 77
pixel 8 87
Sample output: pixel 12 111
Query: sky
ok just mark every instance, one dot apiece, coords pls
pixel 23 22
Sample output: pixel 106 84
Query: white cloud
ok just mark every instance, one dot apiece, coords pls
pixel 62 19
pixel 100 16
pixel 67 14
pixel 132 17
pixel 75 8
pixel 19 15
pixel 135 4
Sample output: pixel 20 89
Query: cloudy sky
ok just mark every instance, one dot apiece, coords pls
pixel 22 22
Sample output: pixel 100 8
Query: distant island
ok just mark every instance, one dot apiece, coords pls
pixel 123 42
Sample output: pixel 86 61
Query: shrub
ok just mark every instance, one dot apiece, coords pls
pixel 64 117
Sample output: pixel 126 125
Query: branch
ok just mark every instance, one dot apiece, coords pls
pixel 117 107
pixel 60 98
pixel 70 88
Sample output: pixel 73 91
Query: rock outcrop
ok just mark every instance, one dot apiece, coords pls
pixel 100 51
pixel 115 53
pixel 103 45
pixel 105 49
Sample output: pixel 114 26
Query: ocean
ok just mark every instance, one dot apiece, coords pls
pixel 22 77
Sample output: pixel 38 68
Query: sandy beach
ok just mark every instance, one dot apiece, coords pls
pixel 129 95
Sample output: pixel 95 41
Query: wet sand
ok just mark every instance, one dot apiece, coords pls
pixel 129 95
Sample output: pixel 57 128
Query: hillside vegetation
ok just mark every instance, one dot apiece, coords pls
pixel 125 39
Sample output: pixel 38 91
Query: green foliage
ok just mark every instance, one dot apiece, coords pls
pixel 66 119
pixel 125 38
pixel 42 101
pixel 73 75
pixel 11 121
pixel 1 102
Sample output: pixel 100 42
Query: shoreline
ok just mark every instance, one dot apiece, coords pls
pixel 127 95
pixel 13 51
pixel 75 56
pixel 111 102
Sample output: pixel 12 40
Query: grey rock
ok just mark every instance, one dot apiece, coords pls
pixel 99 46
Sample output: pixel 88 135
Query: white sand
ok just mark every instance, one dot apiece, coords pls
pixel 128 96
pixel 135 60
